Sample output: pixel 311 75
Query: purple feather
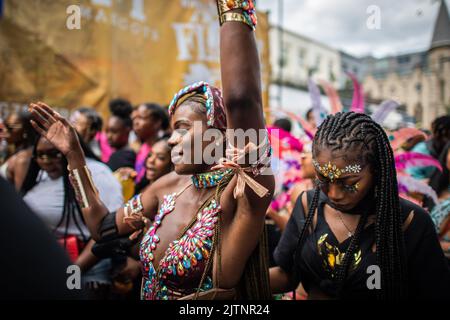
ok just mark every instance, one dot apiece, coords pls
pixel 320 113
pixel 383 111
pixel 414 185
pixel 415 159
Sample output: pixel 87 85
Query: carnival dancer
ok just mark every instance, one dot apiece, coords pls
pixel 205 238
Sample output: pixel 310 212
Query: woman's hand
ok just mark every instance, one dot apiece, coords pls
pixel 56 129
pixel 125 173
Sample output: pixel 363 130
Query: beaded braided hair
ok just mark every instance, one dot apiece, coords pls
pixel 356 131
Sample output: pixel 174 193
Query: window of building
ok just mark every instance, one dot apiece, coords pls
pixel 393 89
pixel 301 56
pixel 284 61
pixel 404 59
pixel 331 75
pixel 318 61
pixel 418 87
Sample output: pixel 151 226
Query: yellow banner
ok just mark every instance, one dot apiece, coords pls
pixel 144 51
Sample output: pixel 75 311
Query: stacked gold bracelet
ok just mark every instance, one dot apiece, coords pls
pixel 248 15
pixel 77 184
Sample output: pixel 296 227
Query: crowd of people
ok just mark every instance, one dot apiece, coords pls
pixel 281 216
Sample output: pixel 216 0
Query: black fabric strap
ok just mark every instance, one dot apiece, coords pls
pixel 111 244
pixel 108 228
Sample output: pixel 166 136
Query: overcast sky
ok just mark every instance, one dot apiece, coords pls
pixel 405 25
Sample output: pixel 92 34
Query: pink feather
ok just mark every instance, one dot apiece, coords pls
pixel 415 159
pixel 335 101
pixel 358 95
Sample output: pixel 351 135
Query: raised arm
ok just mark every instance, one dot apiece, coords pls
pixel 246 198
pixel 241 78
pixel 62 135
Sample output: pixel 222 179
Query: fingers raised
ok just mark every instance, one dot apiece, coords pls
pixel 38 129
pixel 54 113
pixel 38 116
pixel 47 112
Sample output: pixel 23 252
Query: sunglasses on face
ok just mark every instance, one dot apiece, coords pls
pixel 11 127
pixel 51 155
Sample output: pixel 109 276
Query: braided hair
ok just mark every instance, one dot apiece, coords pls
pixel 357 131
pixel 71 208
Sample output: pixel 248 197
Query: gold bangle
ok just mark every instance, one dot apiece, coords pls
pixel 77 184
pixel 234 16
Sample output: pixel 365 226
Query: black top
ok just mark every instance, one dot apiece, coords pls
pixel 122 158
pixel 428 272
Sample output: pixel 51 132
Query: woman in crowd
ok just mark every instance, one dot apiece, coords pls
pixel 88 124
pixel 117 132
pixel 149 123
pixel 433 147
pixel 354 223
pixel 159 162
pixel 311 119
pixel 20 136
pixel 204 239
pixel 440 212
pixel 47 190
pixel 307 175
pixel 440 181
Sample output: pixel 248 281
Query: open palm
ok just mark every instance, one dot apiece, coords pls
pixel 56 129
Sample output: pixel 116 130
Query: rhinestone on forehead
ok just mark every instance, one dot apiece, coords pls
pixel 331 171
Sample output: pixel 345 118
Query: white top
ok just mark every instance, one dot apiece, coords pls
pixel 46 198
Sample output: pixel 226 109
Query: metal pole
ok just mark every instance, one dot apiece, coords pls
pixel 281 51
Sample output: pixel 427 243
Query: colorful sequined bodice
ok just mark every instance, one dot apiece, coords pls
pixel 180 270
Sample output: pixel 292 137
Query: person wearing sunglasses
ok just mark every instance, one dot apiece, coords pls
pixel 47 190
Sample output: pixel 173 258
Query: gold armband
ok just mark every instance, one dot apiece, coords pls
pixel 248 15
pixel 77 184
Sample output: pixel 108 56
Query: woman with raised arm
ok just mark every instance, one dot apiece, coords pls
pixel 205 236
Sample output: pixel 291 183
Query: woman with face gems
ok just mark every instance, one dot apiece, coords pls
pixel 352 237
pixel 205 239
